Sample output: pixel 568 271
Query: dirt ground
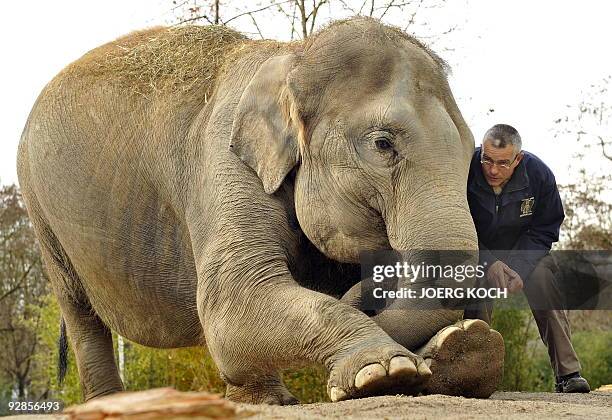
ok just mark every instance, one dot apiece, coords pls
pixel 503 405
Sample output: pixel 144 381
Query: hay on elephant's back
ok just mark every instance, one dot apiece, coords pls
pixel 161 59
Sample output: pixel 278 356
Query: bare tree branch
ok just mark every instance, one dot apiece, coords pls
pixel 303 19
pixel 179 5
pixel 193 19
pixel 345 6
pixel 389 5
pixel 413 15
pixel 362 6
pixel 314 12
pixel 256 26
pixel 290 17
pixel 602 143
pixel 293 20
pixel 254 11
pixel 19 283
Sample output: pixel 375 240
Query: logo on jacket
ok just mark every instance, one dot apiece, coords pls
pixel 527 206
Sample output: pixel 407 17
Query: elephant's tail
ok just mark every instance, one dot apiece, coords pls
pixel 62 357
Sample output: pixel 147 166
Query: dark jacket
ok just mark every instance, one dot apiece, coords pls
pixel 525 216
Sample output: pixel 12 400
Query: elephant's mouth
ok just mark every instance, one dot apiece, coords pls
pixel 348 248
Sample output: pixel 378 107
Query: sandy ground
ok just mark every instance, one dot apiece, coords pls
pixel 506 405
pixel 502 405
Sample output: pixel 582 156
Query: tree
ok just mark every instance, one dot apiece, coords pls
pixel 588 214
pixel 22 286
pixel 300 12
pixel 589 121
pixel 302 17
pixel 587 199
pixel 588 210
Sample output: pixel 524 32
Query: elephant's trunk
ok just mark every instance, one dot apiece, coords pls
pixel 428 207
pixel 445 227
pixel 435 227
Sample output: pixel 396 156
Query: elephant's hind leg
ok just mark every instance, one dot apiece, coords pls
pixel 93 348
pixel 466 359
pixel 91 340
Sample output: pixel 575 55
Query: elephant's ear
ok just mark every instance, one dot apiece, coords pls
pixel 266 127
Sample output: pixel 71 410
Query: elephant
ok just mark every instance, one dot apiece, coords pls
pixel 190 186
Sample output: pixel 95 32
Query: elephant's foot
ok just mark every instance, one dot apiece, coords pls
pixel 466 359
pixel 271 392
pixel 377 370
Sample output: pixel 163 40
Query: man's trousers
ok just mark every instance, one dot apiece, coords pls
pixel 542 291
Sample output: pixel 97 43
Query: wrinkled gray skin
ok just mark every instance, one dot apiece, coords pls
pixel 177 219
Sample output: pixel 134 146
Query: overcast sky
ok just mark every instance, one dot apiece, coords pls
pixel 525 60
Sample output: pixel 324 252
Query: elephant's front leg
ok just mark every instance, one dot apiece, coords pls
pixel 466 357
pixel 257 321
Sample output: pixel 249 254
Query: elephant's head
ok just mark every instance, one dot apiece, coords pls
pixel 365 115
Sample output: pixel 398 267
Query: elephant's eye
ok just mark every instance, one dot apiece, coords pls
pixel 383 144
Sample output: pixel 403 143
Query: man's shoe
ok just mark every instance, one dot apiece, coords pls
pixel 572 383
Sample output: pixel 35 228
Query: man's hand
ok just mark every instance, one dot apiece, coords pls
pixel 503 277
pixel 515 282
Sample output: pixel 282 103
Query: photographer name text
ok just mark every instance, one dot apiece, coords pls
pixel 441 293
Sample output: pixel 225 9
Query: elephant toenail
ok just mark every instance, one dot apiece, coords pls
pixel 337 394
pixel 475 324
pixel 446 333
pixel 423 368
pixel 402 366
pixel 370 373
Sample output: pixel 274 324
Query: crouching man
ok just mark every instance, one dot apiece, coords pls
pixel 516 207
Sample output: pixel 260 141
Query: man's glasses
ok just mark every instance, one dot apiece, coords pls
pixel 505 164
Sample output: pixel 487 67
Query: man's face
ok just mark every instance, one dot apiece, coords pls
pixel 498 164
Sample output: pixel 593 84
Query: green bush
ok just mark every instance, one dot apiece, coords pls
pixel 186 369
pixel 309 385
pixel 192 369
pixel 527 365
pixel 594 349
pixel 521 370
